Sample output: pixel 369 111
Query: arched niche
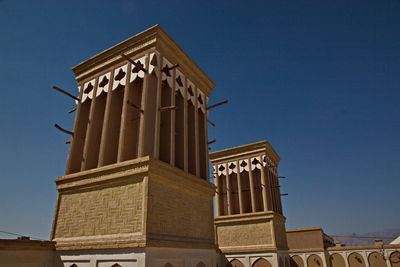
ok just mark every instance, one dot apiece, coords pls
pixel 356 260
pixel 376 259
pixel 337 260
pixel 235 263
pixel 168 265
pixel 314 261
pixel 261 263
pixel 395 259
pixel 296 261
pixel 200 264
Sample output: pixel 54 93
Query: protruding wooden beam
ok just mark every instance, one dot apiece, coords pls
pixel 65 93
pixel 166 69
pixel 284 194
pixel 134 106
pixel 136 64
pixel 218 104
pixel 167 108
pixel 68 142
pixel 211 142
pixel 210 122
pixel 72 110
pixel 63 130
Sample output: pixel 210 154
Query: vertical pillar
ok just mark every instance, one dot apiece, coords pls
pixel 89 129
pixel 196 131
pixel 239 181
pixel 185 123
pixel 104 131
pixel 217 182
pixel 273 187
pixel 172 114
pixel 68 169
pixel 127 92
pixel 206 143
pixel 252 191
pixel 278 189
pixel 228 190
pixel 265 186
pixel 158 115
pixel 143 102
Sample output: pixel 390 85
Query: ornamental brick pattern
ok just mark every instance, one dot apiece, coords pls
pixel 105 211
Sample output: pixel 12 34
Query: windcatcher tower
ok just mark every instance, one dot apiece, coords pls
pixel 249 221
pixel 136 190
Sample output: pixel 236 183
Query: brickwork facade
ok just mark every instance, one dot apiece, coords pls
pixel 105 211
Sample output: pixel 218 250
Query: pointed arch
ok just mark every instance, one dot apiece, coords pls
pixel 375 259
pixel 73 265
pixel 337 260
pixel 116 265
pixel 395 259
pixel 261 263
pixel 296 261
pixel 314 261
pixel 356 260
pixel 235 263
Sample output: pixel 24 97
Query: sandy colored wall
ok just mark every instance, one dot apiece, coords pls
pixel 110 210
pixel 179 212
pixel 26 258
pixel 244 234
pixel 305 239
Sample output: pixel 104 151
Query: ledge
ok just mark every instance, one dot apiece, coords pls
pixel 247 217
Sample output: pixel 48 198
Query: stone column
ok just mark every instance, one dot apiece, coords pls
pixel 252 191
pixel 228 190
pixel 265 186
pixel 217 182
pixel 239 181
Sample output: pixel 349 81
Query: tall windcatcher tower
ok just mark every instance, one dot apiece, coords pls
pixel 136 190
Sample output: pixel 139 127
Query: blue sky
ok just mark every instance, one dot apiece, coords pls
pixel 320 80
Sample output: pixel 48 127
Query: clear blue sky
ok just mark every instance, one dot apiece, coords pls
pixel 319 79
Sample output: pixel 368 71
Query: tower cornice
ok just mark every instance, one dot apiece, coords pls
pixel 154 38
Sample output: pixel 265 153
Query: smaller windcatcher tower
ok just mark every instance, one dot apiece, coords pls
pixel 248 204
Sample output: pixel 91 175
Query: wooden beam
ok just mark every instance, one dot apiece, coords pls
pixel 218 104
pixel 65 93
pixel 63 130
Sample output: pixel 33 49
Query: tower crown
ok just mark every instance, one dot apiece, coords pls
pixel 247 179
pixel 141 97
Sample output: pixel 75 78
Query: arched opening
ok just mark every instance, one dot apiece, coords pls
pixel 116 265
pixel 395 259
pixel 376 259
pixel 168 265
pixel 356 260
pixel 261 263
pixel 314 261
pixel 244 176
pixel 235 263
pixel 200 264
pixel 296 261
pixel 73 265
pixel 165 123
pixel 337 260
